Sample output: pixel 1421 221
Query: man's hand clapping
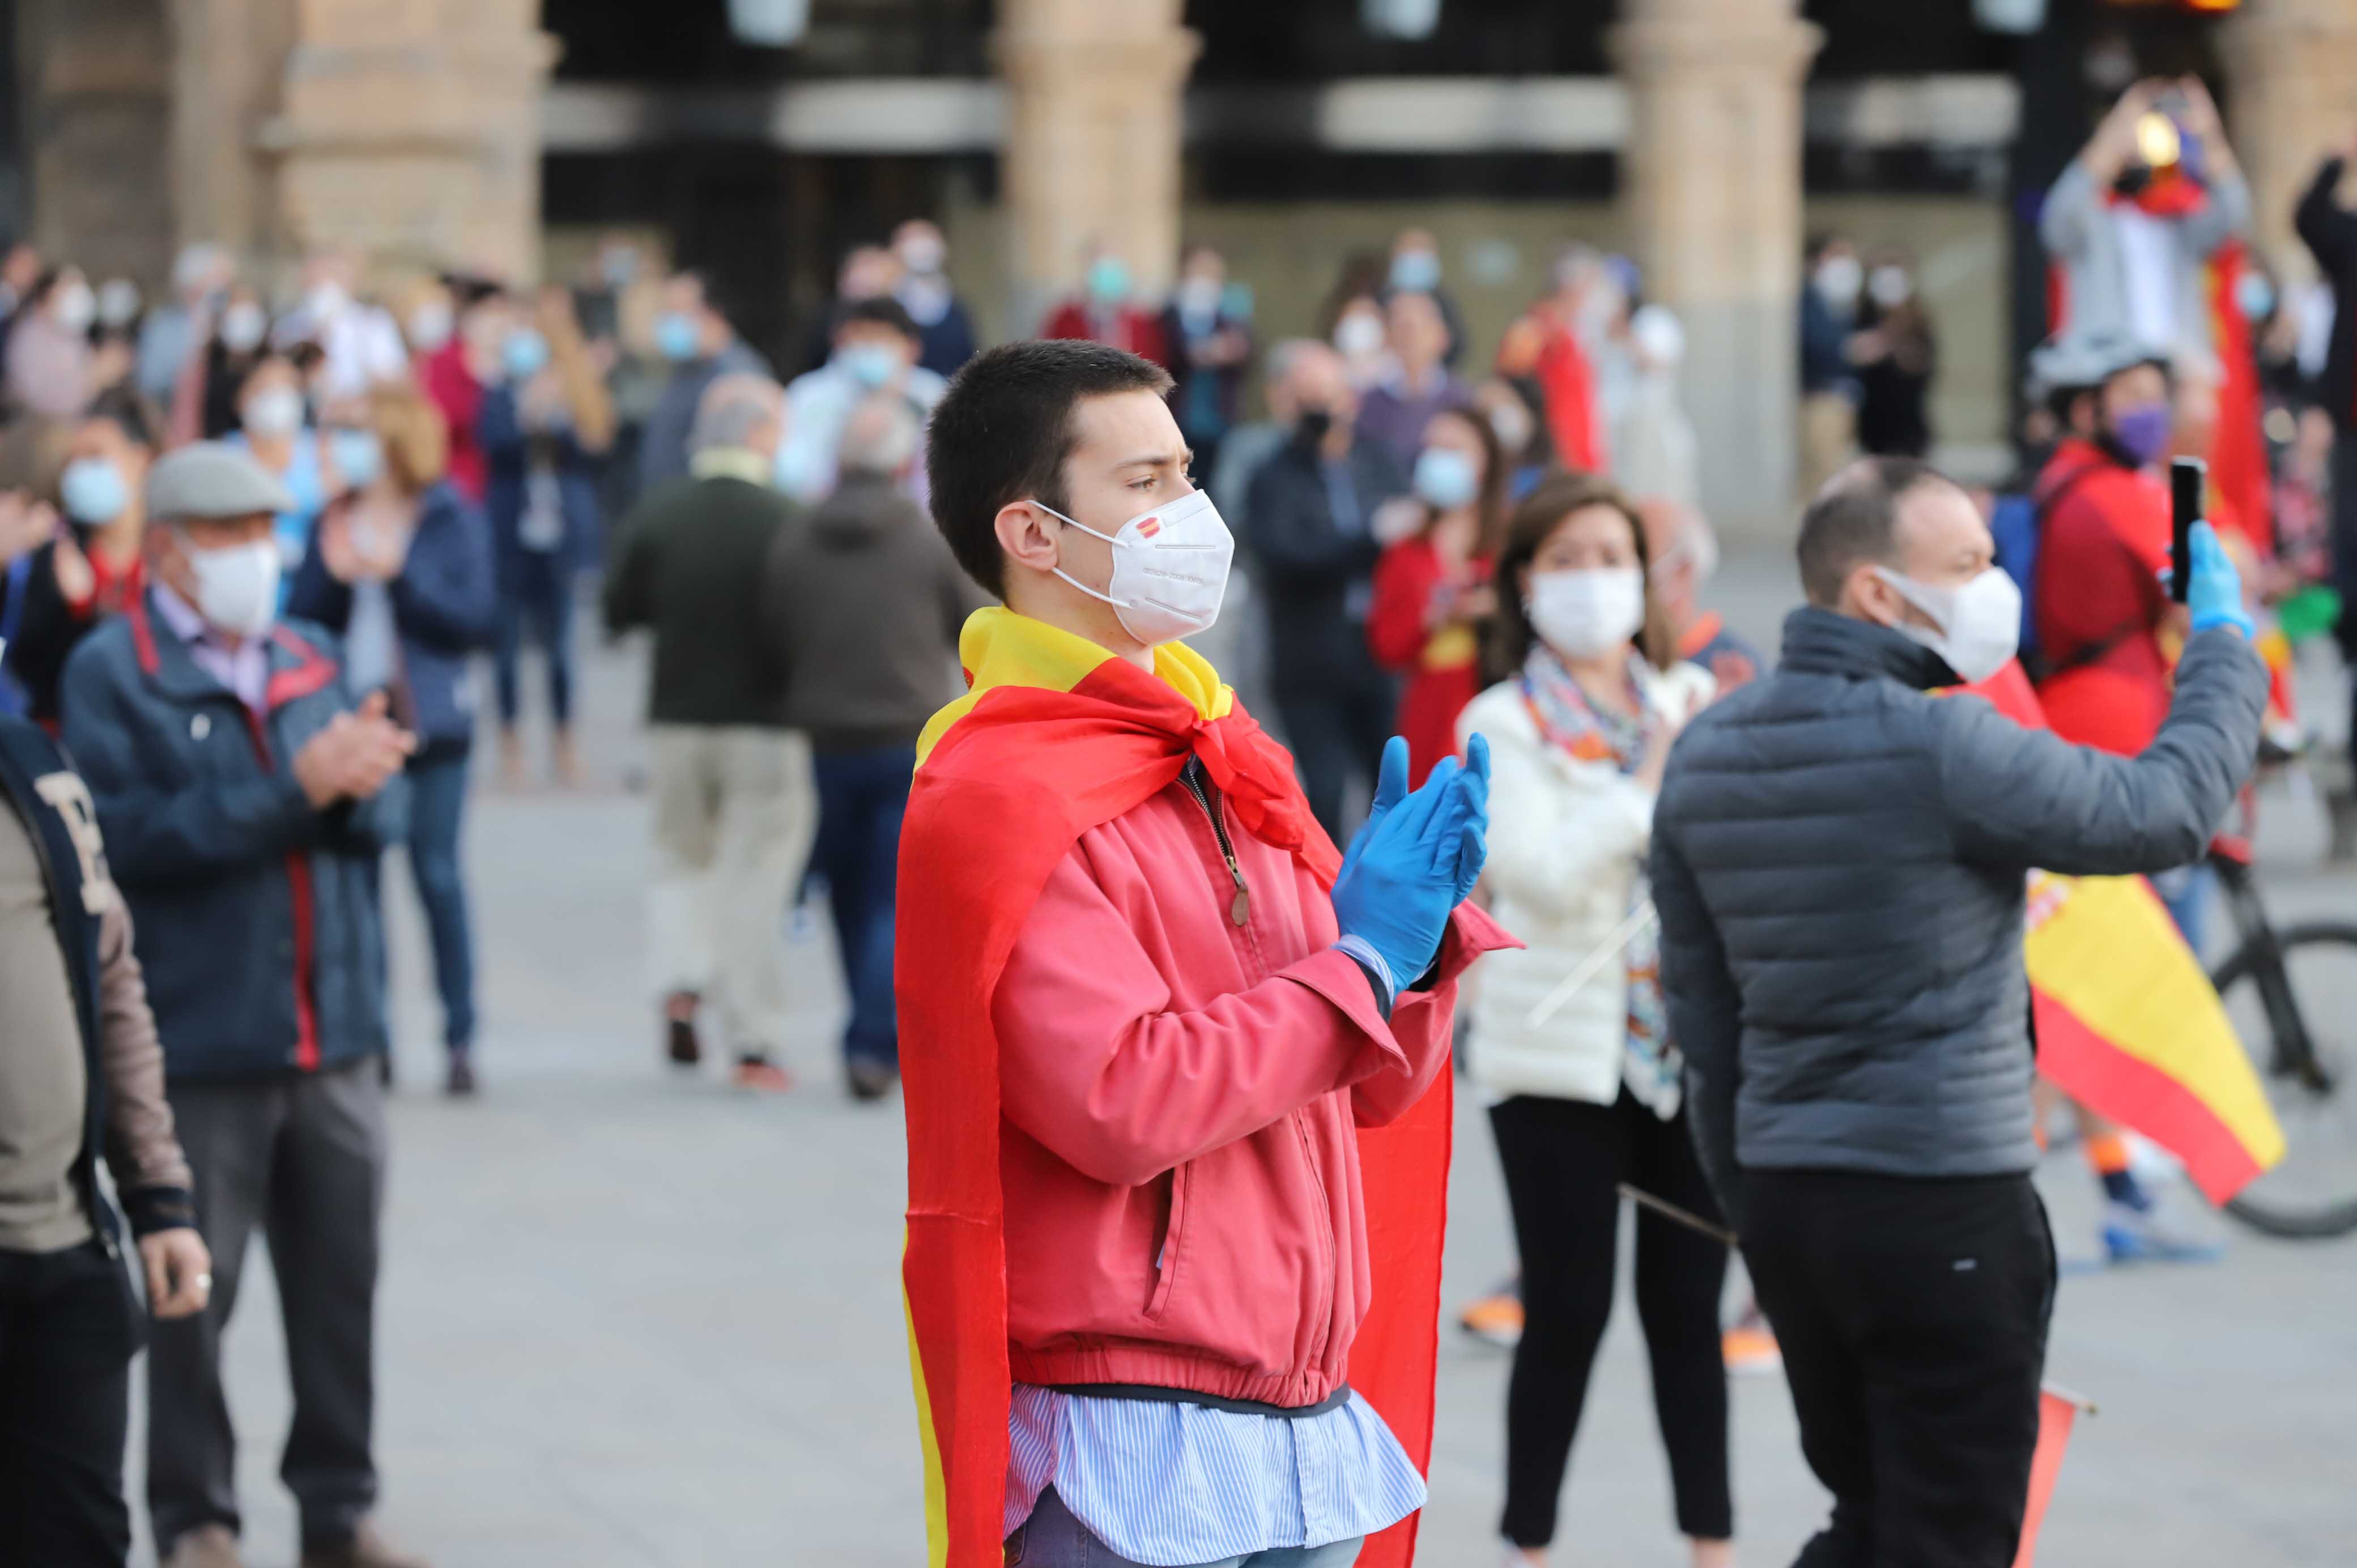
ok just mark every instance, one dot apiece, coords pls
pixel 352 757
pixel 1418 857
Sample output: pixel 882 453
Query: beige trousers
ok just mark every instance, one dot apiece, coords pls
pixel 735 813
pixel 1828 439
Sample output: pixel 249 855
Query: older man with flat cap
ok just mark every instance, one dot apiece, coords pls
pixel 243 799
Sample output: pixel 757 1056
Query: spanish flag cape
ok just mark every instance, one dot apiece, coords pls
pixel 2127 1022
pixel 1057 737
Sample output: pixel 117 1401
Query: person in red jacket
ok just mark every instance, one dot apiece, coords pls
pixel 1106 311
pixel 1148 1020
pixel 1432 589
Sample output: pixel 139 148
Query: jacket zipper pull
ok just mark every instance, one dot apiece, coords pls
pixel 1241 910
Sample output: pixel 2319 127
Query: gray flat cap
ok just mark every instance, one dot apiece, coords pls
pixel 212 478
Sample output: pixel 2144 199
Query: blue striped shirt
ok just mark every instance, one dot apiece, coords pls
pixel 1176 1484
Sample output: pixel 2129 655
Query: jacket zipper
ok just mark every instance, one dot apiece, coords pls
pixel 1240 910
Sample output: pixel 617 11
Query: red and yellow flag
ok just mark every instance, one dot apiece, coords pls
pixel 2127 1022
pixel 1054 738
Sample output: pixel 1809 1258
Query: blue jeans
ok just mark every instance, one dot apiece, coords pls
pixel 2187 891
pixel 1052 1538
pixel 438 804
pixel 535 595
pixel 861 798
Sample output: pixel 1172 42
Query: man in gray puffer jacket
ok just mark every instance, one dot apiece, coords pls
pixel 1838 861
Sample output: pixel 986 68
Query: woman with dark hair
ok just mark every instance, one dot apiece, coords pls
pixel 1583 1089
pixel 402 572
pixel 1897 354
pixel 52 370
pixel 1431 591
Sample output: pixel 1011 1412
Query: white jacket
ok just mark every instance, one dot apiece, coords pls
pixel 1568 842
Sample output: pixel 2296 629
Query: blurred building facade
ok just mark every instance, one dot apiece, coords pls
pixel 1703 137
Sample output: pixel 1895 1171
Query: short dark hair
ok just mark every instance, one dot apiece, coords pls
pixel 882 311
pixel 129 412
pixel 1851 520
pixel 1542 511
pixel 1003 430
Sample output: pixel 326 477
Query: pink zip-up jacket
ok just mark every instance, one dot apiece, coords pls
pixel 1181 1096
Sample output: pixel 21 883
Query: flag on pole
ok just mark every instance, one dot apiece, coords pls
pixel 2128 1024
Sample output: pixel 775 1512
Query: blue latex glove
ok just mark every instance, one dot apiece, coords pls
pixel 1409 869
pixel 2216 595
pixel 1390 788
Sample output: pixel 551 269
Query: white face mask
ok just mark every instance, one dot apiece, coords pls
pixel 430 326
pixel 1359 335
pixel 76 308
pixel 1979 623
pixel 276 411
pixel 1586 613
pixel 241 326
pixel 1839 279
pixel 237 589
pixel 1169 569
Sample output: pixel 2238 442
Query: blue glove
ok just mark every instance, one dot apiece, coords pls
pixel 1410 868
pixel 1390 788
pixel 2216 594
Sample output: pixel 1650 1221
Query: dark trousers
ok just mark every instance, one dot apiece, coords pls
pixel 536 600
pixel 1912 1316
pixel 862 796
pixel 437 806
pixel 1337 733
pixel 2344 550
pixel 303 1157
pixel 1564 1160
pixel 68 1327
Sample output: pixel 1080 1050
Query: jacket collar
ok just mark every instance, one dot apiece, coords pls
pixel 296 668
pixel 1820 642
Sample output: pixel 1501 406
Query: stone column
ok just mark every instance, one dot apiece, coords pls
pixel 1712 177
pixel 95 124
pixel 411 129
pixel 2291 80
pixel 229 59
pixel 1093 139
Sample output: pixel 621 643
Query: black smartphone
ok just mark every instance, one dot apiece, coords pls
pixel 2189 481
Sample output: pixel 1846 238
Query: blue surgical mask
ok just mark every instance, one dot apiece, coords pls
pixel 359 455
pixel 1445 477
pixel 2255 295
pixel 675 335
pixel 1415 271
pixel 1108 280
pixel 93 492
pixel 872 365
pixel 524 353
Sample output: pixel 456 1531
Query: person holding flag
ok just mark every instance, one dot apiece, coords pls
pixel 1172 1294
pixel 1839 862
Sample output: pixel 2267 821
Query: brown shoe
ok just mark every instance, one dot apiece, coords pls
pixel 366 1548
pixel 207 1546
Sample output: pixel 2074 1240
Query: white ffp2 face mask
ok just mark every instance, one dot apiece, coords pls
pixel 237 589
pixel 1979 622
pixel 1582 614
pixel 1169 569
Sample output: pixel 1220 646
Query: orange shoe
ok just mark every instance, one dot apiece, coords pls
pixel 757 1072
pixel 1751 1351
pixel 1494 1320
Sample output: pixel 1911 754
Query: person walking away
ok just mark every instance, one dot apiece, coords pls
pixel 52 371
pixel 95 565
pixel 1170 1047
pixel 863 604
pixel 1208 325
pixel 1106 311
pixel 1394 412
pixel 1311 507
pixel 1683 549
pixel 734 805
pixel 1589 1098
pixel 544 427
pixel 242 788
pixel 875 348
pixel 82 1078
pixel 1838 860
pixel 700 346
pixel 2328 226
pixel 1432 591
pixel 403 575
pixel 273 425
pixel 1829 391
pixel 1897 356
pixel 1654 451
pixel 944 325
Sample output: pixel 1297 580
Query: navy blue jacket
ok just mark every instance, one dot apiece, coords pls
pixel 256 914
pixel 443 603
pixel 507 449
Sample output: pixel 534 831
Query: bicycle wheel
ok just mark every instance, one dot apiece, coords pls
pixel 2313 1193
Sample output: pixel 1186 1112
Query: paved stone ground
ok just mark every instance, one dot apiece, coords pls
pixel 633 1319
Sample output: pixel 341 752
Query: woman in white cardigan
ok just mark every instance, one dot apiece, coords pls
pixel 1588 1096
